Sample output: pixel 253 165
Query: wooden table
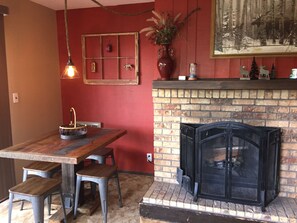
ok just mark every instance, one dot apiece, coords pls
pixel 69 153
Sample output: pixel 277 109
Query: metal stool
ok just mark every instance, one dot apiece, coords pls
pixel 42 169
pixel 99 174
pixel 102 154
pixel 35 190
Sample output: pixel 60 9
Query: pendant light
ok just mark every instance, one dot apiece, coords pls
pixel 70 71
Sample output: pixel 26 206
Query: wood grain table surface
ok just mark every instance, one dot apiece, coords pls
pixel 70 153
pixel 52 148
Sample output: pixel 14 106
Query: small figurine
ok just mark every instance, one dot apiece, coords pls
pixel 264 74
pixel 193 72
pixel 272 72
pixel 108 48
pixel 244 74
pixel 293 74
pixel 254 73
pixel 128 67
pixel 93 67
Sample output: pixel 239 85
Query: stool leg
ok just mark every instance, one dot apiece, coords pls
pixel 112 158
pixel 78 181
pixel 49 202
pixel 119 190
pixel 63 206
pixel 10 206
pixel 93 190
pixel 25 175
pixel 103 183
pixel 38 209
pixel 101 159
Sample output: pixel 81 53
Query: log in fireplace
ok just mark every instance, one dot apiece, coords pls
pixel 230 161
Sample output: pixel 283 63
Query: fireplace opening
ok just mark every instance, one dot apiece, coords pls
pixel 230 161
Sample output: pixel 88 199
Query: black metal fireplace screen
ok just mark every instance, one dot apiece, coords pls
pixel 230 161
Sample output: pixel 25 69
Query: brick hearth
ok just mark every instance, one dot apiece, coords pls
pixel 166 196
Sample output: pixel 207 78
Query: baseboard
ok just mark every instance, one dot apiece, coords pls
pixel 170 214
pixel 134 172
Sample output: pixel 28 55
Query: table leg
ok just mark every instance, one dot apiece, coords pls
pixel 68 182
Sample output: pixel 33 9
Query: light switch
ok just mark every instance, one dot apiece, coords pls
pixel 15 97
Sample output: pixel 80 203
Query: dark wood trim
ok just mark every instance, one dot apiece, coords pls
pixel 6 166
pixel 228 84
pixel 4 10
pixel 171 214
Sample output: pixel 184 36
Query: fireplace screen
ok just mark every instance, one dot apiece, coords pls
pixel 230 161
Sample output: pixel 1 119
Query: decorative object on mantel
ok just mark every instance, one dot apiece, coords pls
pixel 272 72
pixel 162 33
pixel 293 75
pixel 264 74
pixel 193 72
pixel 165 62
pixel 244 74
pixel 254 72
pixel 182 78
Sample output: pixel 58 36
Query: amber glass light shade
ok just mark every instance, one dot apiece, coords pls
pixel 70 71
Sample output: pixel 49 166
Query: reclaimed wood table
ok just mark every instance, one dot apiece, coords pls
pixel 69 153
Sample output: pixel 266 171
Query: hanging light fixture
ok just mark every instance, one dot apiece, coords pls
pixel 70 71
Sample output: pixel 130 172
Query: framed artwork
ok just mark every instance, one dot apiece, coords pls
pixel 253 27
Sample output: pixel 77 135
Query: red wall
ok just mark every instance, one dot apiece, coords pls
pixel 130 107
pixel 193 45
pixel 126 107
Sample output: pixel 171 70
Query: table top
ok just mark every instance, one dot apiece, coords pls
pixel 52 148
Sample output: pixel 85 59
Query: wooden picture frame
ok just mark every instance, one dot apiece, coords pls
pixel 253 27
pixel 111 58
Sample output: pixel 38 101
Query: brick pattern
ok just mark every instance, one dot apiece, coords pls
pixel 274 108
pixel 172 195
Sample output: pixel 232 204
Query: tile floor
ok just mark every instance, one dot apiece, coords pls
pixel 133 187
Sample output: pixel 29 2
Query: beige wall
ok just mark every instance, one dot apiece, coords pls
pixel 33 70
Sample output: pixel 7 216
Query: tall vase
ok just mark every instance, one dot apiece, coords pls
pixel 165 62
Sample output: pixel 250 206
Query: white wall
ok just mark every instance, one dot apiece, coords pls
pixel 33 71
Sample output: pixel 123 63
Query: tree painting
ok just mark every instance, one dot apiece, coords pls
pixel 250 27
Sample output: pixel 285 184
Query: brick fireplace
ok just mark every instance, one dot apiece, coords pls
pixel 260 103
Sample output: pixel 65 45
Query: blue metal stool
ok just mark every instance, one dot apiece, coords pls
pixel 35 190
pixel 99 174
pixel 102 154
pixel 41 169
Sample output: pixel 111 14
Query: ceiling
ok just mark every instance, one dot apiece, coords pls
pixel 76 4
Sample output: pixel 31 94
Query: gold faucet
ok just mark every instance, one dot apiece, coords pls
pixel 72 111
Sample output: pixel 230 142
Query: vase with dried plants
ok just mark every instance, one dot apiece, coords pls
pixel 163 31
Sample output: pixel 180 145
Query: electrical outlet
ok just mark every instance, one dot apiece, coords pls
pixel 15 97
pixel 149 157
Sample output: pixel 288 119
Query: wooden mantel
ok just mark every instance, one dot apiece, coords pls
pixel 228 84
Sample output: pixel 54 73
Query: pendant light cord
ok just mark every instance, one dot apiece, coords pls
pixel 122 13
pixel 66 30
